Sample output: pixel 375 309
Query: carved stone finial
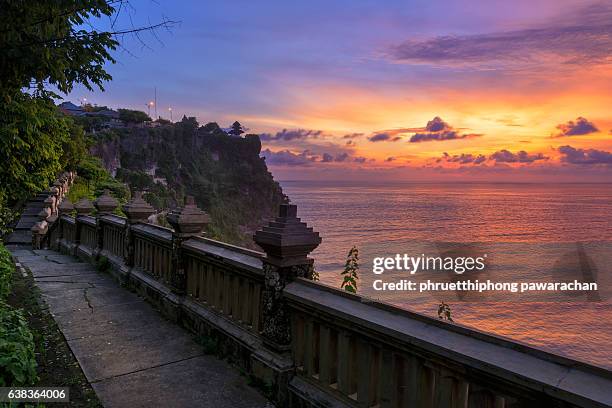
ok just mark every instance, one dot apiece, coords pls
pixel 49 202
pixel 287 241
pixel 188 220
pixel 138 210
pixel 106 204
pixel 44 213
pixel 83 207
pixel 65 207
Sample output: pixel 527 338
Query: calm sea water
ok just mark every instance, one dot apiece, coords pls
pixel 530 232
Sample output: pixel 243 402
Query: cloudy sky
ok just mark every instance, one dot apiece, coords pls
pixel 412 90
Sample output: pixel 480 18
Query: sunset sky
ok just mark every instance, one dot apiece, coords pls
pixel 401 90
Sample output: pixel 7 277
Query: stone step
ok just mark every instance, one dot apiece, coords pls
pixel 32 211
pixel 19 237
pixel 26 222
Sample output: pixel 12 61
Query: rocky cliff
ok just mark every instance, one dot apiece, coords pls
pixel 224 173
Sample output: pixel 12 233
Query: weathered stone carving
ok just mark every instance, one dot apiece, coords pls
pixel 65 207
pixel 106 204
pixel 83 207
pixel 187 222
pixel 137 211
pixel 38 234
pixel 287 242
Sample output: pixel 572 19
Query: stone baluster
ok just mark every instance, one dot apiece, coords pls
pixel 187 222
pixel 39 230
pixel 137 211
pixel 60 187
pixel 83 208
pixel 56 195
pixel 65 208
pixel 287 242
pixel 51 205
pixel 44 213
pixel 105 205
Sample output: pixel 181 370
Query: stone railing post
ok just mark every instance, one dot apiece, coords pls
pixel 105 204
pixel 287 242
pixel 39 230
pixel 53 200
pixel 187 222
pixel 137 211
pixel 60 187
pixel 65 208
pixel 83 207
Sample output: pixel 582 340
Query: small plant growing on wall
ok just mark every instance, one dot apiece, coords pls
pixel 351 271
pixel 444 311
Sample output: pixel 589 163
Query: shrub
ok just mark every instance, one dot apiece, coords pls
pixel 17 359
pixel 6 272
pixel 7 216
pixel 351 271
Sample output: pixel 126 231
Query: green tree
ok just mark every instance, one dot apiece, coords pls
pixel 32 136
pixel 46 43
pixel 42 43
pixel 351 271
pixel 133 116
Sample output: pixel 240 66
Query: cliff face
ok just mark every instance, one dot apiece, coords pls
pixel 224 173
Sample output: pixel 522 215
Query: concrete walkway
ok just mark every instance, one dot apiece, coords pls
pixel 131 355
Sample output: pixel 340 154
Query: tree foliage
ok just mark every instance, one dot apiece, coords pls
pixel 236 129
pixel 133 116
pixel 42 42
pixel 32 136
pixel 351 271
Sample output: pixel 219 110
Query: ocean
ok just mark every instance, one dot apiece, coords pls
pixel 526 233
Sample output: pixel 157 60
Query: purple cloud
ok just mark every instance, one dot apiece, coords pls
pixel 341 157
pixel 383 137
pixel 326 158
pixel 506 156
pixel 463 158
pixel 287 158
pixel 583 37
pixel 437 125
pixel 572 155
pixel 581 127
pixel 287 135
pixel 438 130
pixel 352 135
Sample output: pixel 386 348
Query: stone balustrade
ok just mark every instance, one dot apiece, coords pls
pixel 227 279
pixel 312 345
pixel 48 216
pixel 367 353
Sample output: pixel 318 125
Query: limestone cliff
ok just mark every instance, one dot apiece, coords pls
pixel 224 173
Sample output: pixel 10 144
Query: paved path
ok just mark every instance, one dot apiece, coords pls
pixel 130 354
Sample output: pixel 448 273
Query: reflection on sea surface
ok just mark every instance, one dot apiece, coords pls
pixel 530 233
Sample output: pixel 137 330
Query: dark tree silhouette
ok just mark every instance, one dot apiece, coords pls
pixel 236 129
